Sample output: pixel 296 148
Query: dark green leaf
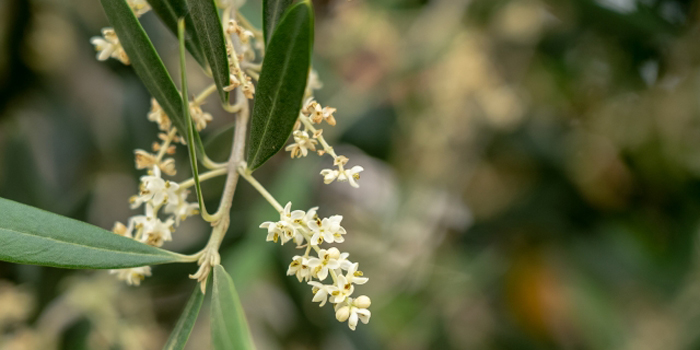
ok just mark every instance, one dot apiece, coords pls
pixel 145 60
pixel 188 118
pixel 147 64
pixel 183 328
pixel 229 328
pixel 207 25
pixel 33 236
pixel 282 82
pixel 169 11
pixel 272 12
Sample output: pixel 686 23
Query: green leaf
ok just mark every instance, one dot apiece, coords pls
pixel 207 25
pixel 229 328
pixel 282 82
pixel 272 12
pixel 169 11
pixel 145 60
pixel 183 328
pixel 188 119
pixel 147 64
pixel 33 236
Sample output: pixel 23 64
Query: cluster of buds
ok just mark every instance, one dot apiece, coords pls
pixel 302 144
pixel 243 34
pixel 108 45
pixel 199 117
pixel 238 77
pixel 156 195
pixel 318 114
pixel 313 113
pixel 342 174
pixel 307 230
pixel 158 116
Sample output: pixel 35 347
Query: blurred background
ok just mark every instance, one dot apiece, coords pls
pixel 532 177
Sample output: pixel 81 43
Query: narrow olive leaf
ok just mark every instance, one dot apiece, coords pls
pixel 282 82
pixel 272 12
pixel 145 60
pixel 147 64
pixel 183 328
pixel 207 25
pixel 169 11
pixel 229 328
pixel 188 118
pixel 33 236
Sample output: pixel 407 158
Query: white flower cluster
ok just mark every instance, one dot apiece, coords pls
pixel 309 231
pixel 156 195
pixel 313 113
pixel 342 174
pixel 108 45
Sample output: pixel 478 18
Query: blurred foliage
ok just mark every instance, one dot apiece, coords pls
pixel 532 177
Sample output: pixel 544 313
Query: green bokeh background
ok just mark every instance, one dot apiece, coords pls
pixel 532 177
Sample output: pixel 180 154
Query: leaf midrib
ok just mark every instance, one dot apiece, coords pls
pixel 214 55
pixel 276 15
pixel 165 253
pixel 285 69
pixel 218 312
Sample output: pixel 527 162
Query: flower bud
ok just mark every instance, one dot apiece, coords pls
pixel 342 314
pixel 334 253
pixel 144 159
pixel 363 302
pixel 119 229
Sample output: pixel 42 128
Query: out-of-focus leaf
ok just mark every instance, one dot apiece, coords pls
pixel 272 12
pixel 183 328
pixel 229 328
pixel 207 26
pixel 33 236
pixel 169 11
pixel 282 82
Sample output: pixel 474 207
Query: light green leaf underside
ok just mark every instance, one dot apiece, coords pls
pixel 207 26
pixel 229 328
pixel 33 236
pixel 169 11
pixel 183 328
pixel 282 83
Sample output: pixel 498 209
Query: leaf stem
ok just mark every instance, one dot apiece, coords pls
pixel 209 256
pixel 203 177
pixel 239 137
pixel 210 164
pixel 204 94
pixel 166 144
pixel 247 174
pixel 307 123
